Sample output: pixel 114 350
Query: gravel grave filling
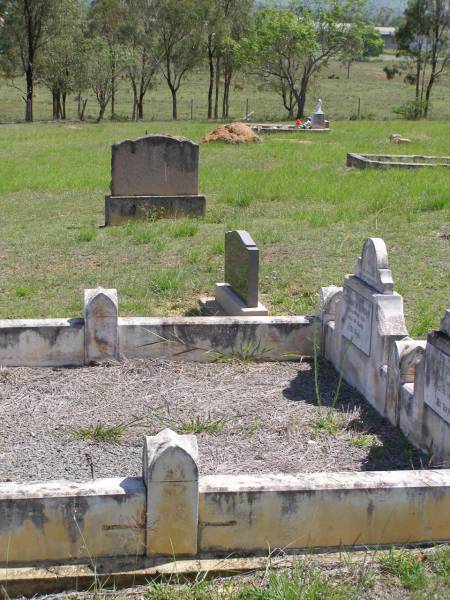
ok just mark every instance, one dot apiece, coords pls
pixel 248 418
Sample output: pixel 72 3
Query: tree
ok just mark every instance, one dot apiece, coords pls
pixel 24 33
pixel 181 24
pixel 99 74
pixel 291 45
pixel 141 34
pixel 108 19
pixel 237 17
pixel 362 41
pixel 61 64
pixel 423 38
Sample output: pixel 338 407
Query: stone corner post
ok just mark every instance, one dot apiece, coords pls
pixel 170 473
pixel 101 341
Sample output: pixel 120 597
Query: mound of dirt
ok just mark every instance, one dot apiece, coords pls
pixel 232 133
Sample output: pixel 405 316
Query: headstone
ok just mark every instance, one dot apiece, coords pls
pixel 170 473
pixel 152 177
pixel 242 266
pixel 239 294
pixel 100 325
pixel 155 165
pixel 368 320
pixel 437 370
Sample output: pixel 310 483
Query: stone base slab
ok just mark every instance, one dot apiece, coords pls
pixel 233 306
pixel 123 208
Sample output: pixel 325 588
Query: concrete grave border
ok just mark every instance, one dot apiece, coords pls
pixel 173 510
pixel 378 161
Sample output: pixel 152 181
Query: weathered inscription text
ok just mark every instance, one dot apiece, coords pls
pixel 357 321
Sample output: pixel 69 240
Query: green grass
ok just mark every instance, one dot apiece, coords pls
pixel 397 574
pixel 99 433
pixel 307 212
pixel 198 425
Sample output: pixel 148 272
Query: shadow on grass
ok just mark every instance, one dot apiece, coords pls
pixel 387 447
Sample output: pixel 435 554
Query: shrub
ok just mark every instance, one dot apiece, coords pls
pixel 411 110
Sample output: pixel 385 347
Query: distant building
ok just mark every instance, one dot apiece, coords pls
pixel 388 35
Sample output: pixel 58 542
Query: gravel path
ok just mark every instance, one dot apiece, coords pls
pixel 258 415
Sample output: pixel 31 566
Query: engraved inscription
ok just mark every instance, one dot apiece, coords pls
pixel 437 389
pixel 357 321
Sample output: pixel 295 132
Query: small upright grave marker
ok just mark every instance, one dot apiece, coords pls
pixel 154 176
pixel 238 295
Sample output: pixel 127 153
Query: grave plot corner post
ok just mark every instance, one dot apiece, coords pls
pixel 101 313
pixel 170 473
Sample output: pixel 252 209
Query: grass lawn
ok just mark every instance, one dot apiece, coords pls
pixel 307 212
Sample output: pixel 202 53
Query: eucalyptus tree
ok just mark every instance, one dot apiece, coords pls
pixel 424 39
pixel 291 45
pixel 181 27
pixel 23 35
pixel 61 66
pixel 141 35
pixel 108 21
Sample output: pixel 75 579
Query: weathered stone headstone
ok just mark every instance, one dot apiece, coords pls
pixel 154 176
pixel 367 320
pixel 242 266
pixel 155 165
pixel 437 370
pixel 239 294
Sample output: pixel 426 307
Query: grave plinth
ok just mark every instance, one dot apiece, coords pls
pixel 153 177
pixel 238 295
pixel 365 319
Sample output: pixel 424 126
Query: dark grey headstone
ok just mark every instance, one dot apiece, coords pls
pixel 242 266
pixel 155 165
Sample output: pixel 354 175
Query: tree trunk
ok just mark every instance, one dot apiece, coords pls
pixel 217 88
pixel 140 106
pixel 54 106
pixel 63 112
pixel 211 76
pixel 101 112
pixel 174 103
pixel 113 89
pixel 29 96
pixel 228 74
pixel 301 96
pixel 83 108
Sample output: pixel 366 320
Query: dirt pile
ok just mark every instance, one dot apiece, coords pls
pixel 232 133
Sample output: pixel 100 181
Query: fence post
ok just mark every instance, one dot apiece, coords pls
pixel 170 472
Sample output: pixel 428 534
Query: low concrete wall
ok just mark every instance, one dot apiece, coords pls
pixel 203 339
pixel 69 342
pixel 42 342
pixel 64 521
pixel 255 513
pixel 67 521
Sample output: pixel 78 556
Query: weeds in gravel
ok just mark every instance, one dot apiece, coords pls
pixel 197 425
pixel 100 433
pixel 328 421
pixel 365 440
